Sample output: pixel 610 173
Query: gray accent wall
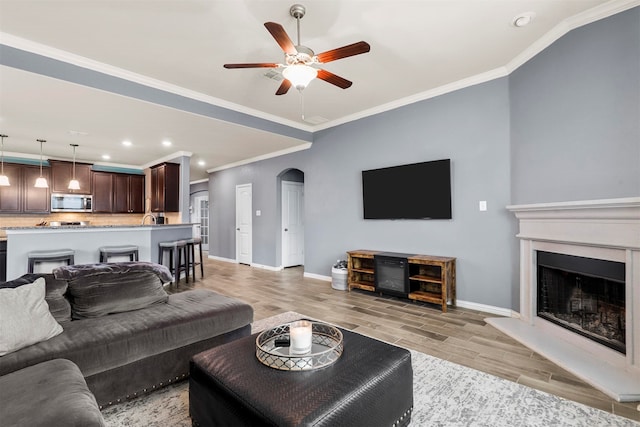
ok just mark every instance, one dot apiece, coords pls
pixel 575 116
pixel 564 126
pixel 470 127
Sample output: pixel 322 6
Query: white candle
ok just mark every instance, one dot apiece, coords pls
pixel 300 337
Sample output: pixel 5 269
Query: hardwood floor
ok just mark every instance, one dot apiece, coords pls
pixel 460 335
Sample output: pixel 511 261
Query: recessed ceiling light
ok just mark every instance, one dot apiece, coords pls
pixel 126 143
pixel 166 143
pixel 201 162
pixel 106 157
pixel 523 19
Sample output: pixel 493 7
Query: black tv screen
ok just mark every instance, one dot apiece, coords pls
pixel 413 191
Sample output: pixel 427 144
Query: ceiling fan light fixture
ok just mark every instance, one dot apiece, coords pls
pixel 300 75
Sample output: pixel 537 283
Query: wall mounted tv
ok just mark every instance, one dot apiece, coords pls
pixel 412 191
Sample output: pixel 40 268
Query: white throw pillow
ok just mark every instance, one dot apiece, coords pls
pixel 24 317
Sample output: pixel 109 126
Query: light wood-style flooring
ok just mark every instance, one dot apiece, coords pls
pixel 460 335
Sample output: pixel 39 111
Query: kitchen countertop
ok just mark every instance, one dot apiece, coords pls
pixel 86 240
pixel 67 227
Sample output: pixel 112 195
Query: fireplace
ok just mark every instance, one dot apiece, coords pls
pixel 583 295
pixel 580 290
pixel 392 273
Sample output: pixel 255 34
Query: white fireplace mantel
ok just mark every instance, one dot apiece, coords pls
pixel 602 229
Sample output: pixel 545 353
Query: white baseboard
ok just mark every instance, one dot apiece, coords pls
pixel 317 276
pixel 485 308
pixel 460 303
pixel 217 258
pixel 266 267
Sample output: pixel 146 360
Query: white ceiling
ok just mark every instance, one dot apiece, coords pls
pixel 418 48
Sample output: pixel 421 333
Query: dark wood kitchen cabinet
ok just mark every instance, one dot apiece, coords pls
pixel 62 173
pixel 165 188
pixel 128 194
pixel 102 188
pixel 118 193
pixel 21 196
pixel 10 197
pixel 36 200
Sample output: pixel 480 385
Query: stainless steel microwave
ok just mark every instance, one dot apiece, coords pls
pixel 71 203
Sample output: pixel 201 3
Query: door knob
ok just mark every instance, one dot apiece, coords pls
pixel 237 229
pixel 286 229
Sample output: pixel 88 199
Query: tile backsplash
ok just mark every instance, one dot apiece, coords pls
pixel 94 219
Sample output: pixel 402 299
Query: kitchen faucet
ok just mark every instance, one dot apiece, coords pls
pixel 152 217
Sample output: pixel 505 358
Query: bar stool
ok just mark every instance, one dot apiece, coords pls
pixel 53 255
pixel 178 258
pixel 126 250
pixel 192 258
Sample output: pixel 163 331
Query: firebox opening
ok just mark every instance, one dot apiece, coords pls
pixel 584 295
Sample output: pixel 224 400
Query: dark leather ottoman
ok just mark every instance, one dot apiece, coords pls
pixel 370 385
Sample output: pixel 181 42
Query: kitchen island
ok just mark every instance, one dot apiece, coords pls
pixel 86 241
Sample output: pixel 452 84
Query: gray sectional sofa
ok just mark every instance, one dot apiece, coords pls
pixel 122 330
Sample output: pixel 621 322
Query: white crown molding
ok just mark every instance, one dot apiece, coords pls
pixel 199 181
pixel 432 93
pixel 167 158
pixel 588 16
pixel 118 165
pixel 81 61
pixel 300 147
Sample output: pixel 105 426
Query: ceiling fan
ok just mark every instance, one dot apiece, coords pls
pixel 298 69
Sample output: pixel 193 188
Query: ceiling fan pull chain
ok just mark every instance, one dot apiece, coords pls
pixel 301 104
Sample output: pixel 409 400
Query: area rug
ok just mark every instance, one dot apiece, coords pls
pixel 444 393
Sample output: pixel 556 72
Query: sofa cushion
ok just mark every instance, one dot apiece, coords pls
pixel 99 344
pixel 24 317
pixel 58 305
pixel 52 393
pixel 100 289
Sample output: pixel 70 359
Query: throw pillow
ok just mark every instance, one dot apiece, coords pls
pixel 114 292
pixel 55 291
pixel 24 317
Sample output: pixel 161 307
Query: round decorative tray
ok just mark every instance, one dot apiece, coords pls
pixel 272 348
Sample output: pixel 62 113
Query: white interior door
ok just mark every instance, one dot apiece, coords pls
pixel 243 224
pixel 200 215
pixel 292 223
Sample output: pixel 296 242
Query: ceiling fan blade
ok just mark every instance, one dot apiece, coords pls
pixel 281 37
pixel 284 87
pixel 344 52
pixel 255 65
pixel 329 77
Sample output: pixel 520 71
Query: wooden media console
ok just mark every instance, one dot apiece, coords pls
pixel 431 279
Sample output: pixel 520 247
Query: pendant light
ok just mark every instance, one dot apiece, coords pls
pixel 74 184
pixel 41 182
pixel 4 179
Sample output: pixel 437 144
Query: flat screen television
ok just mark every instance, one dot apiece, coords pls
pixel 412 191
